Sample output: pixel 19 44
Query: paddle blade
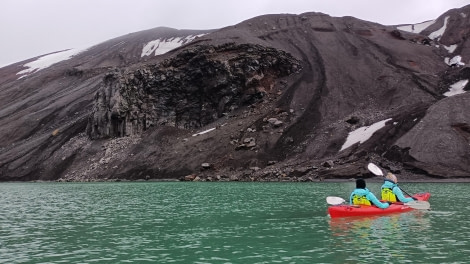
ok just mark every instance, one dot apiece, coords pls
pixel 374 169
pixel 333 200
pixel 420 205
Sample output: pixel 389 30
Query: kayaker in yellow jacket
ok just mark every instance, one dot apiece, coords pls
pixel 362 196
pixel 391 192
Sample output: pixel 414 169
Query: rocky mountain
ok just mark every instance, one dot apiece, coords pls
pixel 277 97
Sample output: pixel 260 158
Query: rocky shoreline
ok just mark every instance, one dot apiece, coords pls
pixel 374 180
pixel 247 178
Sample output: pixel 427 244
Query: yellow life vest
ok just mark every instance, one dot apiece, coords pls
pixel 388 195
pixel 360 200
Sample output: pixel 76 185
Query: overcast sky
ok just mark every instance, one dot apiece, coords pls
pixel 29 28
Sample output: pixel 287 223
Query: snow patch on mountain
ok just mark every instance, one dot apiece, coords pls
pixel 455 61
pixel 416 28
pixel 438 33
pixel 204 132
pixel 162 46
pixel 457 88
pixel 362 134
pixel 47 61
pixel 451 48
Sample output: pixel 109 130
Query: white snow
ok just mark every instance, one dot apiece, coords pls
pixel 457 88
pixel 451 48
pixel 417 28
pixel 438 33
pixel 463 15
pixel 203 132
pixel 162 46
pixel 363 133
pixel 159 46
pixel 457 60
pixel 47 60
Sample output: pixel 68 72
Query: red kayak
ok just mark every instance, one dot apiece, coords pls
pixel 343 210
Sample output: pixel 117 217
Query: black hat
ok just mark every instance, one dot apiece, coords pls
pixel 360 184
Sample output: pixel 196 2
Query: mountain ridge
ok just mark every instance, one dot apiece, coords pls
pixel 269 125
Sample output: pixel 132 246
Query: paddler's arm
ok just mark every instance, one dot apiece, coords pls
pixel 376 201
pixel 397 191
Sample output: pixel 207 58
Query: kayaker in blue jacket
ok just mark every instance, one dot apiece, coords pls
pixel 362 196
pixel 391 192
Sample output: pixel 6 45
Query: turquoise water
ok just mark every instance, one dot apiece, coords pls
pixel 230 222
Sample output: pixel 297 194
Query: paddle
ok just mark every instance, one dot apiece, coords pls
pixel 374 169
pixel 333 200
pixel 420 205
pixel 378 171
pixel 404 191
pixel 423 205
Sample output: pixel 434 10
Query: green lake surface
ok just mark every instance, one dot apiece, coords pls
pixel 223 222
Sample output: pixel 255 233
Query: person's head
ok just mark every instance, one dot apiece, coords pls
pixel 391 177
pixel 360 184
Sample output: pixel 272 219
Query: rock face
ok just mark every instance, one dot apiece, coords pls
pixel 196 87
pixel 435 152
pixel 277 97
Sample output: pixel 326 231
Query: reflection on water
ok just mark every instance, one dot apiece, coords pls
pixel 372 237
pixel 377 227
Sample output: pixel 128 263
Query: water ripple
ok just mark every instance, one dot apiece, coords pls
pixel 220 223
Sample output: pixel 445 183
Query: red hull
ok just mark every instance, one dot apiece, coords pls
pixel 365 210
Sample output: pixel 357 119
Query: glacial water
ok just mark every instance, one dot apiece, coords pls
pixel 224 222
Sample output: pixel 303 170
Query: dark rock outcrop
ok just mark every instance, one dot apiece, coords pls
pixel 198 86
